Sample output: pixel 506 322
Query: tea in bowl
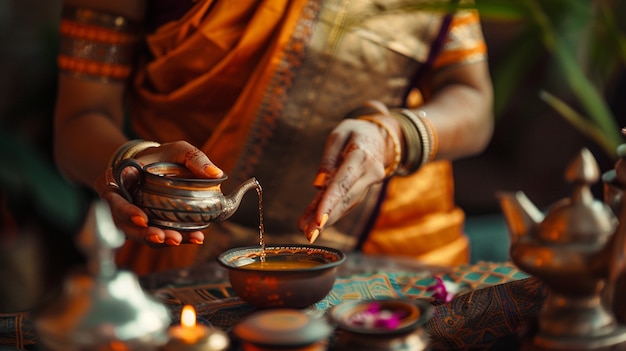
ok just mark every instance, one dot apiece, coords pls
pixel 289 276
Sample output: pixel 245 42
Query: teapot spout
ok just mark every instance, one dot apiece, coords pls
pixel 232 201
pixel 520 213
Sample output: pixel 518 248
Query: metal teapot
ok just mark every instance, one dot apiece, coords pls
pixel 101 307
pixel 173 197
pixel 576 250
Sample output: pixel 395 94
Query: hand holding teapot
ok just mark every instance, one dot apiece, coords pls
pixel 126 182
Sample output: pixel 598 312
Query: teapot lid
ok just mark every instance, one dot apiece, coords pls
pixel 580 218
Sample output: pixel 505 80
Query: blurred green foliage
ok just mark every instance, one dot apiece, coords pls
pixel 588 48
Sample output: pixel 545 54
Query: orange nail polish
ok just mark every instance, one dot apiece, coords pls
pixel 212 171
pixel 155 239
pixel 320 179
pixel 314 236
pixel 171 242
pixel 324 219
pixel 196 241
pixel 139 220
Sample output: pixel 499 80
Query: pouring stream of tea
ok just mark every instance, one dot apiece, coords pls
pixel 259 192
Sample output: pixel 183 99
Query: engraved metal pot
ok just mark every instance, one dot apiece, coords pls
pixel 173 197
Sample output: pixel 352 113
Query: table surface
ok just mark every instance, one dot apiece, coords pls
pixel 360 277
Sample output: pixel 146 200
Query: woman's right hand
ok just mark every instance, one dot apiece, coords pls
pixel 130 218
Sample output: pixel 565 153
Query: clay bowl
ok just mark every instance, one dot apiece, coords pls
pixel 292 276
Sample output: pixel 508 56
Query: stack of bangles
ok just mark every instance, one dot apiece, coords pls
pixel 130 149
pixel 420 139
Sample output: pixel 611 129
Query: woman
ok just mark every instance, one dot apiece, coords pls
pixel 366 103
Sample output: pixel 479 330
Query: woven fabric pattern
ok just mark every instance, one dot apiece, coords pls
pixel 494 302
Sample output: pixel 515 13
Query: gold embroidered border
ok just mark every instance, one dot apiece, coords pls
pixel 95 44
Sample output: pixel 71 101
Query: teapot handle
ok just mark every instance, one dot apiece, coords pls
pixel 117 173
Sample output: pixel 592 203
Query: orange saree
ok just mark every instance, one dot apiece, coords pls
pixel 258 85
pixel 207 67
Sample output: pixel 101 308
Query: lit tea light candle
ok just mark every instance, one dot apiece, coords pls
pixel 191 336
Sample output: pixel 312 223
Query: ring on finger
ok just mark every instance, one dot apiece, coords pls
pixel 110 181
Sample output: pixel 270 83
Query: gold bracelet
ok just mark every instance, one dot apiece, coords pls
pixel 412 147
pixel 130 149
pixel 432 133
pixel 390 169
pixel 424 141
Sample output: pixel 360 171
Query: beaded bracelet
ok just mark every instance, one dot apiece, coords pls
pixel 130 149
pixel 420 140
pixel 390 169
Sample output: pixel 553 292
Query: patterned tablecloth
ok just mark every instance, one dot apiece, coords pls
pixel 495 302
pixel 359 279
pixel 500 297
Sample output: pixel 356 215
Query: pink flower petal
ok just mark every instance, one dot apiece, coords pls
pixel 442 290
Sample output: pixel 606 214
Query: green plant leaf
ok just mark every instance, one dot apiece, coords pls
pixel 581 123
pixel 502 10
pixel 585 91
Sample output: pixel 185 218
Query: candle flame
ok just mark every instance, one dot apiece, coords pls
pixel 188 316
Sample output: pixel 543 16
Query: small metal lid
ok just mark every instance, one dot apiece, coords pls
pixel 282 327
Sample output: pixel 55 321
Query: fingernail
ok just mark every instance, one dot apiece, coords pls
pixel 139 220
pixel 314 235
pixel 196 241
pixel 155 239
pixel 172 242
pixel 213 171
pixel 320 179
pixel 324 219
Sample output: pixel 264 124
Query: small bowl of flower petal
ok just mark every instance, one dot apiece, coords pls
pixel 282 276
pixel 381 316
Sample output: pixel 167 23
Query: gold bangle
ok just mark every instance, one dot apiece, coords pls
pixel 412 147
pixel 432 133
pixel 423 141
pixel 130 149
pixel 390 169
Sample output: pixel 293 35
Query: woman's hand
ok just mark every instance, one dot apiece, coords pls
pixel 130 218
pixel 357 153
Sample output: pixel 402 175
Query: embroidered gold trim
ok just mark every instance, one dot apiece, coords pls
pixel 95 44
